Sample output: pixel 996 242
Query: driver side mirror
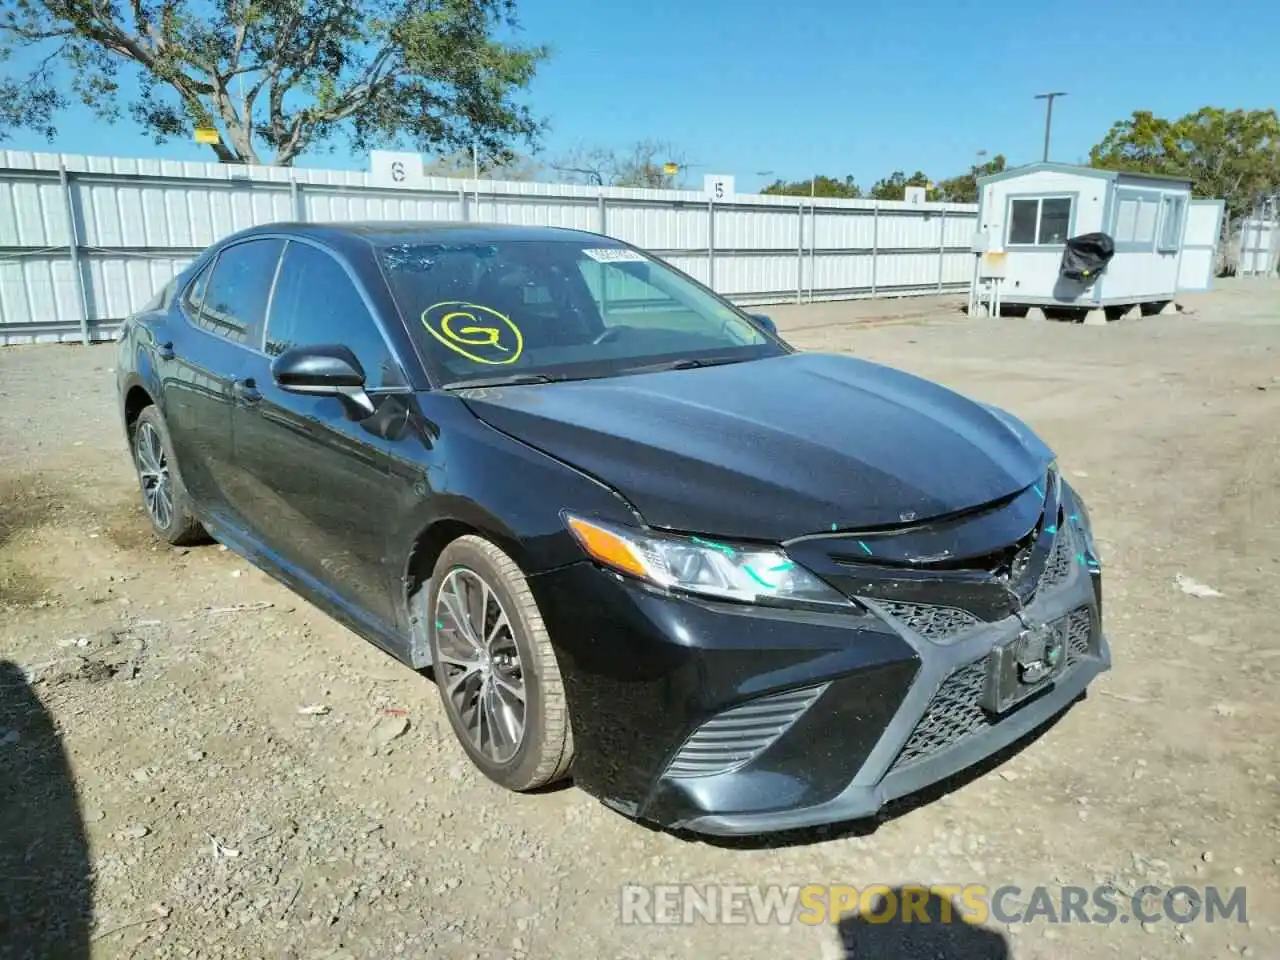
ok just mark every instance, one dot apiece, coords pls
pixel 326 370
pixel 765 322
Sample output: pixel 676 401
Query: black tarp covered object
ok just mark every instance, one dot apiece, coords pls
pixel 1086 256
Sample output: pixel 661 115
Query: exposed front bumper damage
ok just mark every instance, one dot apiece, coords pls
pixel 727 720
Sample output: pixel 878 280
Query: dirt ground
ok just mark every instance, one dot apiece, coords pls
pixel 196 762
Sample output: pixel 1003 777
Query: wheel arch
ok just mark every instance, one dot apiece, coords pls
pixel 136 399
pixel 454 519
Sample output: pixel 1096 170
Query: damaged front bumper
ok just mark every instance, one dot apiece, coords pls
pixel 723 719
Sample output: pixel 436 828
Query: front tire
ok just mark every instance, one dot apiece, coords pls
pixel 495 667
pixel 164 497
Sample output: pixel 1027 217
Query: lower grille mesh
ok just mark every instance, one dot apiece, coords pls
pixel 955 713
pixel 733 738
pixel 1079 636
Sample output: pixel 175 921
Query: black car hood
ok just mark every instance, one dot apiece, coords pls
pixel 776 448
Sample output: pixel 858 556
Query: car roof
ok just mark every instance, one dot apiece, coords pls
pixel 388 232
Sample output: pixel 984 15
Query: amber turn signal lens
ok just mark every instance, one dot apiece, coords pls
pixel 607 547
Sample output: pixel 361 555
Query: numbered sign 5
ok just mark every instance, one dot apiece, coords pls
pixel 718 186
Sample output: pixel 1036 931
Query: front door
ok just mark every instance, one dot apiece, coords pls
pixel 314 480
pixel 1197 257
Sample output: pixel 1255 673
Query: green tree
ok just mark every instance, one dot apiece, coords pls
pixel 1233 155
pixel 285 75
pixel 818 186
pixel 893 187
pixel 964 188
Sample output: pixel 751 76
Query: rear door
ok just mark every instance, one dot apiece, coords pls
pixel 1197 258
pixel 221 316
pixel 315 483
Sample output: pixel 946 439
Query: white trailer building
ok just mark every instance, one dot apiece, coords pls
pixel 1165 241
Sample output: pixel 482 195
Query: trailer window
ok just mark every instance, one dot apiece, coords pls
pixel 1023 217
pixel 1137 215
pixel 1039 221
pixel 1055 220
pixel 1171 210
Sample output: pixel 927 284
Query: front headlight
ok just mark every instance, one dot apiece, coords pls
pixel 748 574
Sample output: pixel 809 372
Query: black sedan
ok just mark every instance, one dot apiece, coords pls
pixel 639 540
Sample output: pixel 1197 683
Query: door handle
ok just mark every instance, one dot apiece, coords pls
pixel 246 391
pixel 165 350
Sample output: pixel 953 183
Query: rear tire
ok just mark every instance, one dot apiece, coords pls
pixel 164 497
pixel 495 667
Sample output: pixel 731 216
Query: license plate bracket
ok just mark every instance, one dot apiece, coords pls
pixel 1024 665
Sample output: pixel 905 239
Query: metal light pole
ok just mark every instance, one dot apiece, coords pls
pixel 1048 115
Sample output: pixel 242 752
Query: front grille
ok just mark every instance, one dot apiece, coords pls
pixel 938 624
pixel 1058 567
pixel 955 713
pixel 734 738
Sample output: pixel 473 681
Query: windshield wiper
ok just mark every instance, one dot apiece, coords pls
pixel 510 380
pixel 686 363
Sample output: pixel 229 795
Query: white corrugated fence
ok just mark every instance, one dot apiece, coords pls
pixel 85 241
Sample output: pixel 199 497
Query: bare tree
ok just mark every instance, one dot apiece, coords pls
pixel 518 167
pixel 642 164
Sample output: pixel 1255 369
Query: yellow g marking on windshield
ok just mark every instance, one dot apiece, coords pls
pixel 490 335
pixel 462 328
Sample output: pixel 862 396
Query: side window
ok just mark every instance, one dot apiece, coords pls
pixel 194 294
pixel 316 303
pixel 236 301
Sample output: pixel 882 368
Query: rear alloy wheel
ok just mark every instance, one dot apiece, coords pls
pixel 163 495
pixel 495 667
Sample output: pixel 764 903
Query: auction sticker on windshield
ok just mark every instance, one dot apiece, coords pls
pixel 616 255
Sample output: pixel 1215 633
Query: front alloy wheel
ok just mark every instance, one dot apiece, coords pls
pixel 480 664
pixel 495 666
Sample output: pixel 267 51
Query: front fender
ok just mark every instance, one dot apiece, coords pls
pixel 473 477
pixel 511 493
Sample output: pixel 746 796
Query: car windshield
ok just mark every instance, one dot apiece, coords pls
pixel 570 309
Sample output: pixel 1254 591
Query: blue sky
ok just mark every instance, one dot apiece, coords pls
pixel 840 87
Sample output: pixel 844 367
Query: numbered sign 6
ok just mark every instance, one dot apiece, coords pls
pixel 400 169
